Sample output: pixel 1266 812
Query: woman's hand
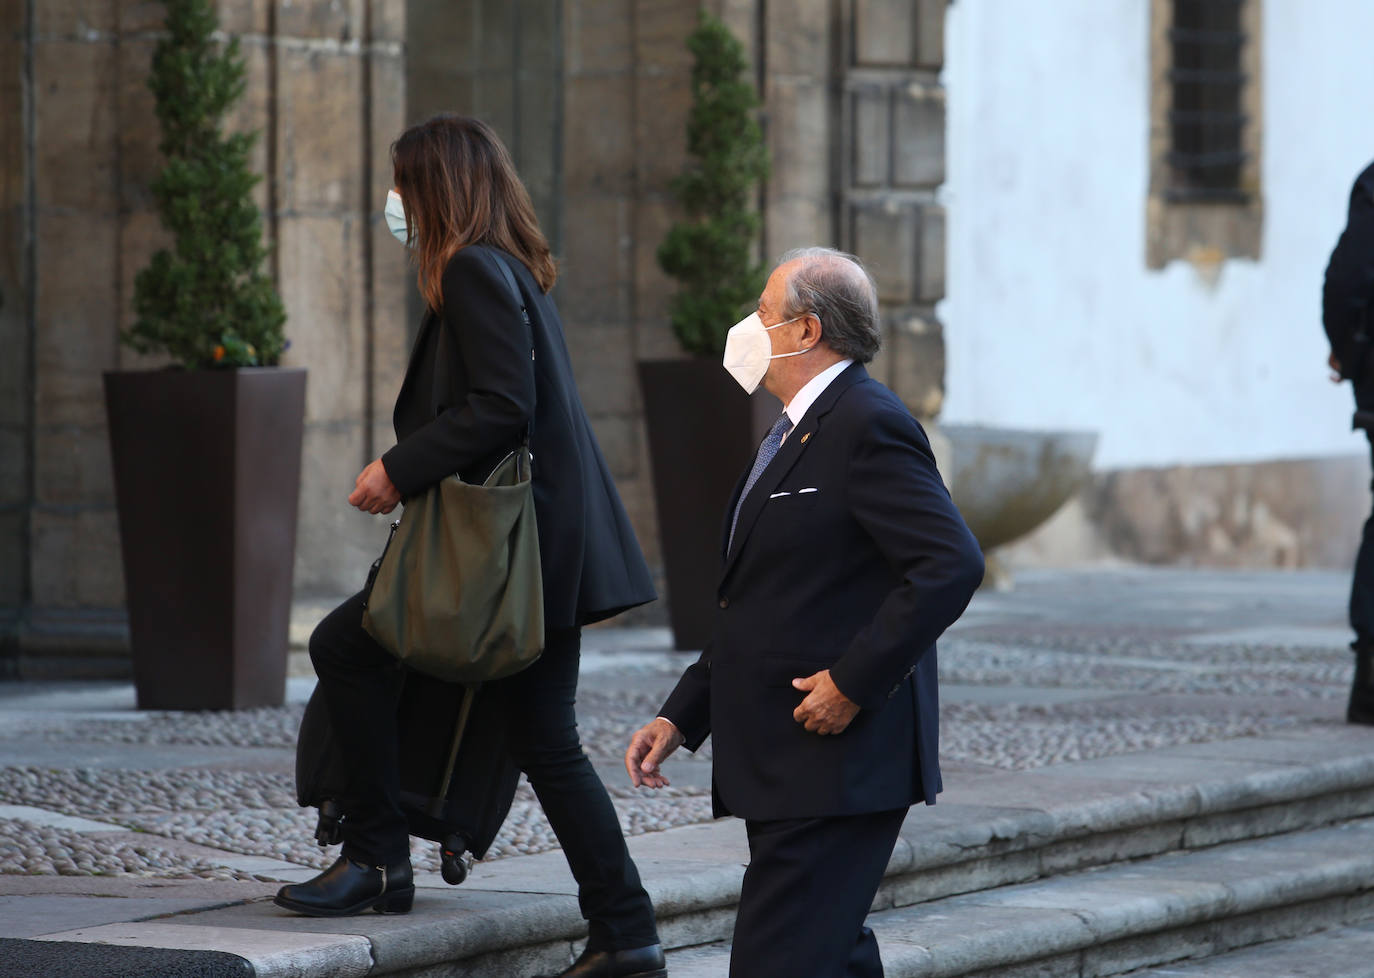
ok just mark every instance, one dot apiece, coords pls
pixel 373 491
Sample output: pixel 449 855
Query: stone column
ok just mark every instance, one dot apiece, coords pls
pixel 892 162
pixel 628 60
pixel 16 320
pixel 328 90
pixel 854 115
pixel 501 61
pixel 63 281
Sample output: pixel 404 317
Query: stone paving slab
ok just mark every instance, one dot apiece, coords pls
pixel 1074 704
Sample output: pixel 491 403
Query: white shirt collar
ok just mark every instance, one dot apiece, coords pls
pixel 796 408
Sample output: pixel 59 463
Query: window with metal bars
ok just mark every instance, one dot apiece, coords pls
pixel 1206 124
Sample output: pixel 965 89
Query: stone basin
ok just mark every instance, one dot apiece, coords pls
pixel 1007 481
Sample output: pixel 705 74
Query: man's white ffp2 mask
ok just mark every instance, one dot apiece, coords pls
pixel 748 350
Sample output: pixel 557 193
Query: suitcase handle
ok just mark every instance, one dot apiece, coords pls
pixel 435 809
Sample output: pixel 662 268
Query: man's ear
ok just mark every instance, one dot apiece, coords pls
pixel 811 330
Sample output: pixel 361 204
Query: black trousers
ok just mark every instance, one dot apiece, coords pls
pixel 361 683
pixel 1362 584
pixel 809 886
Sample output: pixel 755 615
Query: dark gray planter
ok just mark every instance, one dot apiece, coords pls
pixel 207 469
pixel 703 432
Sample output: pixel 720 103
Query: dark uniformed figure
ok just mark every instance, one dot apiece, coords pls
pixel 1348 315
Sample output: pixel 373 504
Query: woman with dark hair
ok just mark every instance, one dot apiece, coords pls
pixel 479 378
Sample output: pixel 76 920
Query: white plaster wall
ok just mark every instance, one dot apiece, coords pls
pixel 1052 318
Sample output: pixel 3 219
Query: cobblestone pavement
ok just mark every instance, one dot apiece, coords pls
pixel 1070 666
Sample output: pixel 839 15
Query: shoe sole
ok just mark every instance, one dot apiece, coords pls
pixel 658 973
pixel 397 902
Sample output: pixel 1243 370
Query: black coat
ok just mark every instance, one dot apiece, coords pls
pixel 1348 288
pixel 477 377
pixel 849 555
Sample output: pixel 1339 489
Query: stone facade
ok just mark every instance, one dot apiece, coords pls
pixel 326 88
pixel 592 96
pixel 608 106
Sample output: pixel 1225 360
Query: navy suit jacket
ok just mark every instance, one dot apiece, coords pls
pixel 478 375
pixel 850 556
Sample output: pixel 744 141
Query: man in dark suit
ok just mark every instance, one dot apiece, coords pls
pixel 844 560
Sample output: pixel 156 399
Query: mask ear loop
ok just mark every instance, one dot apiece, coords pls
pixel 779 356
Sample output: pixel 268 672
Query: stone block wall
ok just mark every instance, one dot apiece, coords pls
pixel 591 95
pixel 854 118
pixel 891 163
pixel 324 79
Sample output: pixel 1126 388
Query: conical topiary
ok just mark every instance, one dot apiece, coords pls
pixel 711 252
pixel 205 301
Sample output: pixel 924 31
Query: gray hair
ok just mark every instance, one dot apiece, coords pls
pixel 835 288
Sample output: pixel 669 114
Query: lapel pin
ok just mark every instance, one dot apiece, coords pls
pixel 805 437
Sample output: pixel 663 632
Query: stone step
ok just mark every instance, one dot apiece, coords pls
pixel 1341 952
pixel 1115 920
pixel 992 831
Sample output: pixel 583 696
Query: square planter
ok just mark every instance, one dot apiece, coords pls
pixel 207 471
pixel 703 433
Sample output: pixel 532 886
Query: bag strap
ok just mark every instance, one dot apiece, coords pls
pixel 509 276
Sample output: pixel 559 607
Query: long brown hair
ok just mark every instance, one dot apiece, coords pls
pixel 459 187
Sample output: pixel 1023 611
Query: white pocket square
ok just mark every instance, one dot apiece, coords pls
pixel 812 489
pixel 777 494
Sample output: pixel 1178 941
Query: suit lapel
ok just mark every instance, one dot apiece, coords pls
pixel 729 512
pixel 798 440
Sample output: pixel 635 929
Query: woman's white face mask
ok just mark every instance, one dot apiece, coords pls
pixel 395 213
pixel 748 350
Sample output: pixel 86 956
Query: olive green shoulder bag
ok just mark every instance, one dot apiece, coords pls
pixel 457 593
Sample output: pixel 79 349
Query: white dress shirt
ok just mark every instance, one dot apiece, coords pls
pixel 812 389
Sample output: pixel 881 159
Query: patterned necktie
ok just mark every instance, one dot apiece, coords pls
pixel 771 443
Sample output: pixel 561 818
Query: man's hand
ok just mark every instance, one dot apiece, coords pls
pixel 373 491
pixel 650 747
pixel 1335 366
pixel 825 710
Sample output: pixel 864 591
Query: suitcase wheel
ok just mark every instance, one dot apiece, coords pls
pixel 328 831
pixel 454 861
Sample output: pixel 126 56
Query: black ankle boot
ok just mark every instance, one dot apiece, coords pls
pixel 350 887
pixel 640 962
pixel 1361 708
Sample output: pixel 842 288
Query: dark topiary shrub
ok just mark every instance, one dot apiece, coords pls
pixel 205 301
pixel 711 252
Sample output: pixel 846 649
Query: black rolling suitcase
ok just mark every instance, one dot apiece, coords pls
pixel 457 779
